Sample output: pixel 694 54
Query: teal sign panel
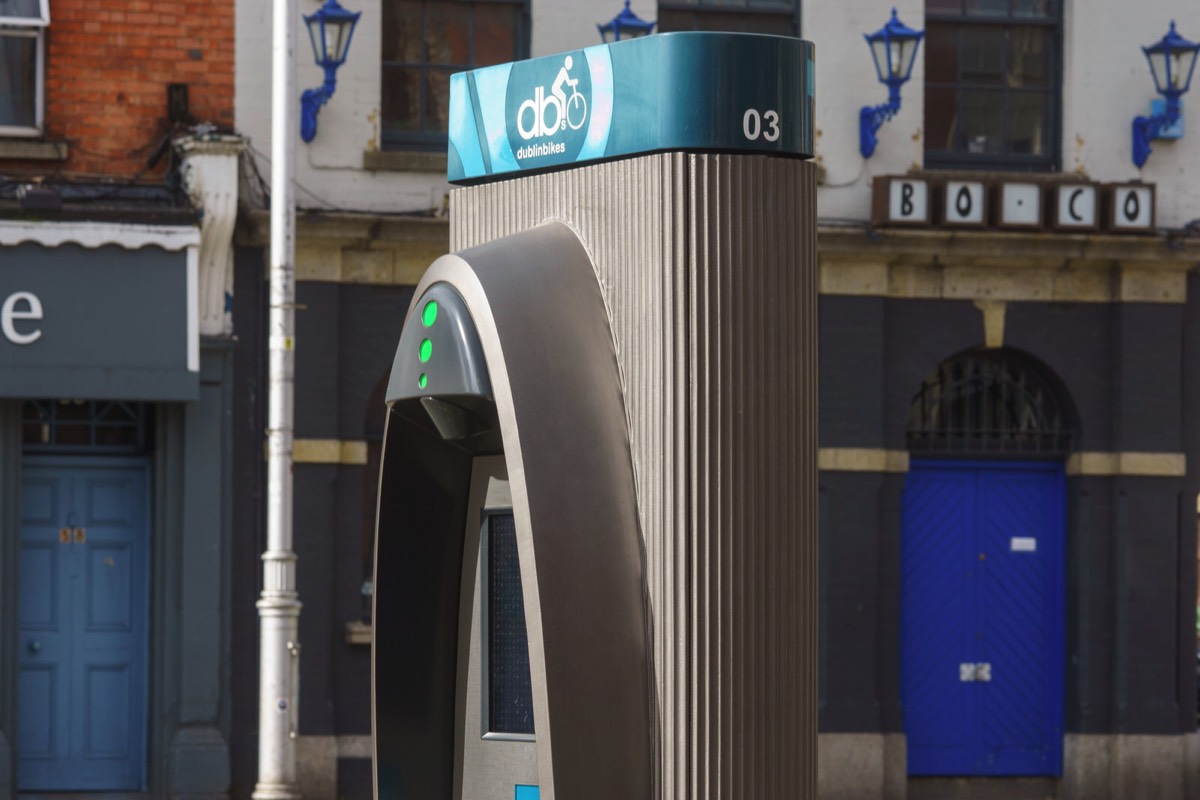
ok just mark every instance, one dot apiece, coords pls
pixel 706 92
pixel 103 323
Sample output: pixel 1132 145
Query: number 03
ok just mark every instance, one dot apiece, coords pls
pixel 752 125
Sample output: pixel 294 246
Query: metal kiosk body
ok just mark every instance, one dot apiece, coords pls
pixel 596 553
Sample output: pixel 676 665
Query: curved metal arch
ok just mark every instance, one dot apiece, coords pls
pixel 991 402
pixel 547 394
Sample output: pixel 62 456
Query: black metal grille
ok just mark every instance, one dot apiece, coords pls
pixel 987 403
pixel 85 426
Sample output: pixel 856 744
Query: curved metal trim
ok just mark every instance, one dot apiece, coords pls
pixel 548 347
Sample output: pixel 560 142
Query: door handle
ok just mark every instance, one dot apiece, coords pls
pixel 35 647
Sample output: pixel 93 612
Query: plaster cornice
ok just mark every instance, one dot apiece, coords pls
pixel 98 234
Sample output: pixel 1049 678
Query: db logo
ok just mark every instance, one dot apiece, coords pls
pixel 546 115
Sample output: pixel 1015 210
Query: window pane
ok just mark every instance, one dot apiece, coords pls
pixel 448 33
pixel 433 39
pixel 437 100
pixel 941 54
pixel 495 34
pixel 941 117
pixel 510 689
pixel 987 8
pixel 18 80
pixel 943 6
pixel 777 24
pixel 1039 9
pixel 669 21
pixel 25 9
pixel 401 99
pixel 402 32
pixel 981 121
pixel 1028 123
pixel 993 99
pixel 983 55
pixel 1029 57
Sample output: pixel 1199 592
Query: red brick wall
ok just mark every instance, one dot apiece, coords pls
pixel 107 69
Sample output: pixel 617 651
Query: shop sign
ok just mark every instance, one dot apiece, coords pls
pixel 1065 206
pixel 100 323
pixel 709 92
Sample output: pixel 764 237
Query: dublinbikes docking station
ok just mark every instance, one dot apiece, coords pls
pixel 595 571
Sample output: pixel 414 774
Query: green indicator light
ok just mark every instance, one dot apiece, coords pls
pixel 429 315
pixel 423 381
pixel 426 350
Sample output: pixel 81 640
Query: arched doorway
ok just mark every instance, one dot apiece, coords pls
pixel 983 549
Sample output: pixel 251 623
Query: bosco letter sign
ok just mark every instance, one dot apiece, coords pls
pixel 20 306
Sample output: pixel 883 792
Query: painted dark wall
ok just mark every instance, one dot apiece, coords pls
pixel 249 516
pixel 860 612
pixel 1131 564
pixel 346 337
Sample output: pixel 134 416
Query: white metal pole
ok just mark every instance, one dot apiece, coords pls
pixel 279 606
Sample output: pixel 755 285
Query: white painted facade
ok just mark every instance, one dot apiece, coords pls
pixel 1106 83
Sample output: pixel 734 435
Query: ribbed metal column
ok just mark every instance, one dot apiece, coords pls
pixel 708 266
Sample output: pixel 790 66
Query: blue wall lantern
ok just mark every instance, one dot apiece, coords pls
pixel 1172 61
pixel 894 48
pixel 626 25
pixel 330 29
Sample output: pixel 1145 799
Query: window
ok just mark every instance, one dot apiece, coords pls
pixel 992 83
pixel 424 42
pixel 60 427
pixel 22 45
pixel 778 17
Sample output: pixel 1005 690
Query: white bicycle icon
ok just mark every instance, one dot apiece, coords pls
pixel 576 111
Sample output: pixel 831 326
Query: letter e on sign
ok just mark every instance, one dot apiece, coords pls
pixel 965 204
pixel 1132 208
pixel 20 306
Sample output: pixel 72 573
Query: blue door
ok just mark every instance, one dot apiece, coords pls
pixel 981 618
pixel 84 564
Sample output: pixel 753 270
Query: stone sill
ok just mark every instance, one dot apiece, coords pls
pixel 358 633
pixel 405 161
pixel 347 228
pixel 32 150
pixel 1011 249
